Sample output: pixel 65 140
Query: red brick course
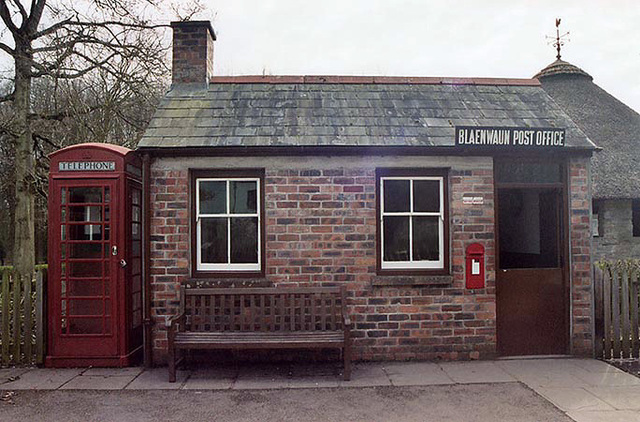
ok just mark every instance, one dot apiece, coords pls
pixel 321 229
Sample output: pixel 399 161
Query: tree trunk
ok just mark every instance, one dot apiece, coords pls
pixel 24 244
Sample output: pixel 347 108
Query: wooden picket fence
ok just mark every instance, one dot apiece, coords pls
pixel 22 324
pixel 617 284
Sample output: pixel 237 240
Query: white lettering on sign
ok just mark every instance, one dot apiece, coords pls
pixel 472 200
pixel 509 137
pixel 87 166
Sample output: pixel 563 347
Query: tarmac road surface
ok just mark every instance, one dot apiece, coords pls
pixel 459 403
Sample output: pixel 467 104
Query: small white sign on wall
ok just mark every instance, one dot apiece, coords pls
pixel 473 200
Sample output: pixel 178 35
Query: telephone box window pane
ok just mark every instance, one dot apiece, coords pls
pixel 396 238
pixel 426 239
pixel 213 197
pixel 92 287
pixel 63 196
pixel 85 250
pixel 106 232
pixel 63 232
pixel 85 325
pixel 213 248
pixel 135 197
pixel 85 232
pixel 244 197
pixel 85 269
pixel 244 240
pixel 396 196
pixel 107 194
pixel 63 214
pixel 135 231
pixel 426 196
pixel 63 251
pixel 107 214
pixel 86 213
pixel 86 307
pixel 135 248
pixel 86 194
pixel 135 213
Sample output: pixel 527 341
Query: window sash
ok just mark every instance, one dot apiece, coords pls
pixel 412 264
pixel 228 266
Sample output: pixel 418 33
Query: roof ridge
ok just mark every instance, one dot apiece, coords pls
pixel 336 79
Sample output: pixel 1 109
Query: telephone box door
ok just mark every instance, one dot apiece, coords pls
pixel 85 269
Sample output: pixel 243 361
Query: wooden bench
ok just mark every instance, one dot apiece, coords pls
pixel 260 318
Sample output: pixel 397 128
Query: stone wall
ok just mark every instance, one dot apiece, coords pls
pixel 616 239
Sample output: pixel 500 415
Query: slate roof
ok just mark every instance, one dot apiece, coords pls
pixel 348 111
pixel 609 123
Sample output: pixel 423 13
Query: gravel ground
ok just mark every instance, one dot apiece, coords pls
pixel 631 366
pixel 473 402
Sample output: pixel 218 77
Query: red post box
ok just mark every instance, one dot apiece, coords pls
pixel 475 266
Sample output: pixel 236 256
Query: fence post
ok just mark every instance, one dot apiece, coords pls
pixel 5 334
pixel 598 281
pixel 41 278
pixel 28 319
pixel 17 284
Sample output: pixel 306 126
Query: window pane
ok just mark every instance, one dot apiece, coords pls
pixel 426 242
pixel 85 269
pixel 515 172
pixel 90 287
pixel 244 240
pixel 396 195
pixel 86 307
pixel 77 195
pixel 635 217
pixel 85 325
pixel 86 232
pixel 396 238
pixel 214 240
pixel 244 197
pixel 85 250
pixel 213 197
pixel 426 195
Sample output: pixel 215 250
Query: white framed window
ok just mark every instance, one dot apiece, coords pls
pixel 412 222
pixel 228 224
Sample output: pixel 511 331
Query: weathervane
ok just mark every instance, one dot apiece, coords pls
pixel 559 40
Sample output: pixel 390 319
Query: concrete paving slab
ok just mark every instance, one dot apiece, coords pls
pixel 43 379
pixel 114 372
pixel 12 374
pixel 157 379
pixel 622 398
pixel 211 379
pixel 608 379
pixel 412 373
pixel 476 372
pixel 596 366
pixel 573 399
pixel 366 375
pixel 544 372
pixel 98 382
pixel 604 416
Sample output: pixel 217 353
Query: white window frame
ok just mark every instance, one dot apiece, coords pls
pixel 229 266
pixel 411 264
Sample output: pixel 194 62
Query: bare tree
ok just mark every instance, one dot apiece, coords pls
pixel 61 41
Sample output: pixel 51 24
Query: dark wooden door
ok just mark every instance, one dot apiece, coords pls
pixel 530 281
pixel 84 271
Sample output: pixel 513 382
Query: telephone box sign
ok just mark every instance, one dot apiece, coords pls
pixel 509 137
pixel 87 166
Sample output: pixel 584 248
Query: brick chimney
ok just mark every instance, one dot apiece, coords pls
pixel 192 52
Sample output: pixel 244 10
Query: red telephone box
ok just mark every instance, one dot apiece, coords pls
pixel 95 257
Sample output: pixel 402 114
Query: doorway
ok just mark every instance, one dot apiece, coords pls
pixel 531 294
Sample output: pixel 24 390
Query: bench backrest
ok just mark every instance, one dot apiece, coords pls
pixel 263 309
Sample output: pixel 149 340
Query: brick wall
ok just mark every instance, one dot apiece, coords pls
pixel 192 60
pixel 321 228
pixel 581 272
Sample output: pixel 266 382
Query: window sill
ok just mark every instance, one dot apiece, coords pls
pixel 408 280
pixel 239 282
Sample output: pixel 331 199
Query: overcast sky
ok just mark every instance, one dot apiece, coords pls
pixel 489 38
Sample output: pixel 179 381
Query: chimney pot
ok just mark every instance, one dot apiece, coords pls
pixel 192 52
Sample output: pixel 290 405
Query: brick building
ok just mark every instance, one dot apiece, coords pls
pixel 615 173
pixel 380 184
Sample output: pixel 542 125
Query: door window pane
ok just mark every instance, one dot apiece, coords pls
pixel 91 287
pixel 85 213
pixel 396 238
pixel 528 172
pixel 85 250
pixel 213 197
pixel 87 307
pixel 85 269
pixel 213 233
pixel 244 240
pixel 85 325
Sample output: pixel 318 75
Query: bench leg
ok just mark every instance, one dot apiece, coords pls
pixel 172 364
pixel 347 360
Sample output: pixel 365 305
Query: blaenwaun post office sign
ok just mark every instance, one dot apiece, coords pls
pixel 509 137
pixel 87 166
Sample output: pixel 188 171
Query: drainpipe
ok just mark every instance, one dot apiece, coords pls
pixel 146 259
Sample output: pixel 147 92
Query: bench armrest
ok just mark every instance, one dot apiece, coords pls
pixel 175 321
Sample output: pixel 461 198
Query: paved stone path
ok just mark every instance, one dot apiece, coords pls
pixel 586 390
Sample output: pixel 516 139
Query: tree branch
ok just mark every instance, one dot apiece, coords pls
pixel 4 47
pixel 5 14
pixel 21 9
pixel 104 24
